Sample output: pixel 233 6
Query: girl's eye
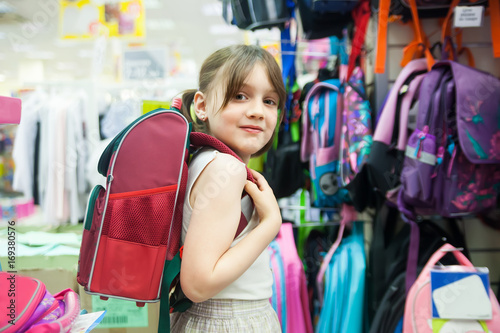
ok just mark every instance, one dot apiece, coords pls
pixel 270 102
pixel 240 97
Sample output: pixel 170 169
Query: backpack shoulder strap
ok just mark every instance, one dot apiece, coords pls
pixel 198 139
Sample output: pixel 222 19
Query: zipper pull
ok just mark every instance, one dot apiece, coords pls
pixel 439 155
pixel 421 137
pixel 439 161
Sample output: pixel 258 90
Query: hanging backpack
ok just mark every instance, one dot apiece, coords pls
pixel 382 169
pixel 386 275
pixel 257 14
pixel 321 139
pixel 418 306
pixel 356 136
pixel 336 6
pixel 27 306
pixel 321 132
pixel 317 24
pixel 132 228
pixel 452 164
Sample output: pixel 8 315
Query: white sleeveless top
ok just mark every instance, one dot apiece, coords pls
pixel 256 283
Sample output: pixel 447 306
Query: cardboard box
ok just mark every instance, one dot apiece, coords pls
pixel 121 316
pixel 55 280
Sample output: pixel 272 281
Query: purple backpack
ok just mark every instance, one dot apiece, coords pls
pixel 452 164
pixel 380 173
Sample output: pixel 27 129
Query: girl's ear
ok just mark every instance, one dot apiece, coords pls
pixel 200 105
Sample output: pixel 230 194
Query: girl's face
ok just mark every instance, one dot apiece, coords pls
pixel 247 123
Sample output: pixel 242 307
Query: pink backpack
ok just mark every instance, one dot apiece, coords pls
pixel 11 110
pixel 27 306
pixel 418 311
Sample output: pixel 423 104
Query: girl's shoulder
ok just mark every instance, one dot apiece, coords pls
pixel 213 163
pixel 228 166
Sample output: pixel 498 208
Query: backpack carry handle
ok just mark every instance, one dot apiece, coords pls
pixel 388 120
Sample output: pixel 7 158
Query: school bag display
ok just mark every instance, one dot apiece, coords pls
pixel 452 162
pixel 380 173
pixel 132 229
pixel 27 306
pixel 418 306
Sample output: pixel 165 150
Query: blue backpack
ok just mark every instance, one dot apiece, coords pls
pixel 322 123
pixel 321 135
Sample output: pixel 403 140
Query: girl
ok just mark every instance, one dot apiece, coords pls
pixel 229 279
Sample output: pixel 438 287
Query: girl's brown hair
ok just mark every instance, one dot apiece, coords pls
pixel 230 66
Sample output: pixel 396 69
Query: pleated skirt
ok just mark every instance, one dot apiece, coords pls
pixel 227 315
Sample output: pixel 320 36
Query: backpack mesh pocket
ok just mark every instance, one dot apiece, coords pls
pixel 142 217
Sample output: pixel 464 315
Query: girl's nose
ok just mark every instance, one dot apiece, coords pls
pixel 256 110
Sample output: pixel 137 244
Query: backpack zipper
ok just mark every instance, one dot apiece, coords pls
pixel 442 122
pixel 429 116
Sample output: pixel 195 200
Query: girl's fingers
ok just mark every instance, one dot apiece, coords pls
pixel 251 188
pixel 255 174
pixel 260 180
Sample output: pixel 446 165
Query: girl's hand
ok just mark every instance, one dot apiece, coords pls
pixel 264 200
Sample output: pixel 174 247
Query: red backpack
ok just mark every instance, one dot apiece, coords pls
pixel 132 229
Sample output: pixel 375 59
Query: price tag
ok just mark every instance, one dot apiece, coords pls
pixel 468 16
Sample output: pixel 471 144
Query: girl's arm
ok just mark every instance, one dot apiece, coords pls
pixel 208 264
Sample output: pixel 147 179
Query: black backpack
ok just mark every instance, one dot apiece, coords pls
pixel 316 24
pixel 256 14
pixel 389 252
